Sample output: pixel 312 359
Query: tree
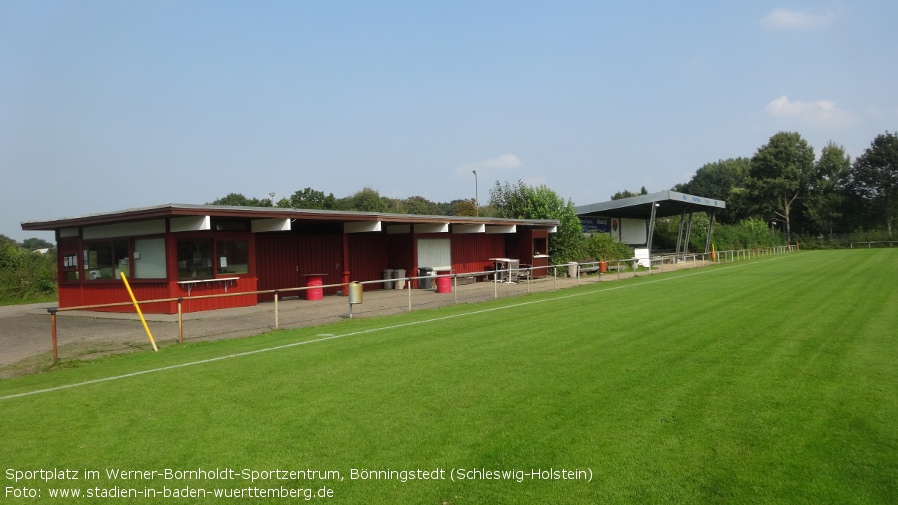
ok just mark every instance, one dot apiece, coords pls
pixel 33 244
pixel 309 198
pixel 627 194
pixel 365 200
pixel 464 208
pixel 826 191
pixel 779 173
pixel 25 276
pixel 525 202
pixel 723 180
pixel 422 206
pixel 9 252
pixel 874 175
pixel 238 200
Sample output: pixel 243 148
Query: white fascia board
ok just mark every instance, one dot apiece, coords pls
pixel 512 228
pixel 432 228
pixel 468 228
pixel 361 226
pixel 274 224
pixel 190 223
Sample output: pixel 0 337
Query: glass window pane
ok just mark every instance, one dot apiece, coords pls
pixel 149 258
pixel 233 256
pixel 70 263
pixel 105 260
pixel 194 259
pixel 98 264
pixel 120 258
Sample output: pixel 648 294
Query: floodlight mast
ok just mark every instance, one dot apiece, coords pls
pixel 476 196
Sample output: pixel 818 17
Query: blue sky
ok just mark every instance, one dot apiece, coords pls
pixel 107 105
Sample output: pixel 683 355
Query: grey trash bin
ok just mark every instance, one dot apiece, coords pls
pixel 572 269
pixel 388 279
pixel 399 275
pixel 426 273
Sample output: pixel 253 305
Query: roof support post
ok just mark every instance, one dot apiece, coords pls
pixel 688 233
pixel 680 235
pixel 344 278
pixel 651 228
pixel 710 225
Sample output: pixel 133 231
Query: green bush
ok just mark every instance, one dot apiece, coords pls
pixel 749 233
pixel 601 246
pixel 25 276
pixel 843 240
pixel 870 236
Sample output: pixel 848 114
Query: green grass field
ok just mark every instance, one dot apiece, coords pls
pixel 765 381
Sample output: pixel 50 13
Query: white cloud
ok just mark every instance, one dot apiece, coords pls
pixel 504 162
pixel 787 19
pixel 820 113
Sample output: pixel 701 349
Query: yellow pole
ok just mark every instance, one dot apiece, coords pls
pixel 139 313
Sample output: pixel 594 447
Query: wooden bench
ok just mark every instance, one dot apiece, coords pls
pixel 587 269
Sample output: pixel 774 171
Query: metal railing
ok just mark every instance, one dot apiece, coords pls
pixel 566 274
pixel 889 243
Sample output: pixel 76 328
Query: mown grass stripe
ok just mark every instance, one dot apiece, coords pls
pixel 739 388
pixel 333 337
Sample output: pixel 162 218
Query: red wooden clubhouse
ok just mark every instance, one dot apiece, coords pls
pixel 177 250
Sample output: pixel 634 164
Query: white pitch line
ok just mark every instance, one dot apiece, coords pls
pixel 362 332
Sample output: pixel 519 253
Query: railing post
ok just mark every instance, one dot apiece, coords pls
pixel 52 311
pixel 180 322
pixel 276 313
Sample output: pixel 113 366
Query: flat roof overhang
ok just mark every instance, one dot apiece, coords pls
pixel 655 205
pixel 667 203
pixel 256 213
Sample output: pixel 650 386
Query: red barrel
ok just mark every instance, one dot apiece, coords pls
pixel 444 284
pixel 603 267
pixel 313 280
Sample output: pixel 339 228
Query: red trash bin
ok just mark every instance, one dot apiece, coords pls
pixel 314 281
pixel 444 284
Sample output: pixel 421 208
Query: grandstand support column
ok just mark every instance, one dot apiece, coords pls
pixel 688 233
pixel 680 236
pixel 710 226
pixel 651 228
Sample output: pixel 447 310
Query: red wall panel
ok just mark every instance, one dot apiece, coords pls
pixel 276 263
pixel 322 254
pixel 471 252
pixel 368 257
pixel 284 259
pixel 220 287
pixel 401 250
pixel 100 292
